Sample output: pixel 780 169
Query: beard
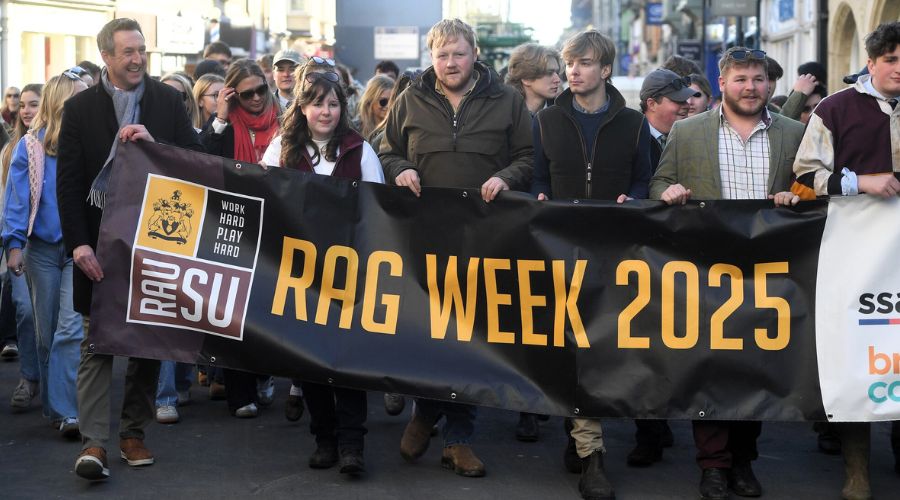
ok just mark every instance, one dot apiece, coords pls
pixel 734 105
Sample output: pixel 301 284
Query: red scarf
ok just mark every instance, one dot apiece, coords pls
pixel 264 126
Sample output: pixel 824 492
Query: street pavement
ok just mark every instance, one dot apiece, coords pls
pixel 210 454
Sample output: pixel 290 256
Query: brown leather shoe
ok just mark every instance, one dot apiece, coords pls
pixel 416 438
pixel 91 464
pixel 134 452
pixel 462 460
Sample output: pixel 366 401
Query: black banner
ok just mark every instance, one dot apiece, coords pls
pixel 562 307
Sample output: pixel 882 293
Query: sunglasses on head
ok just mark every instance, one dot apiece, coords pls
pixel 680 83
pixel 71 76
pixel 260 91
pixel 320 60
pixel 331 76
pixel 743 55
pixel 78 70
pixel 383 102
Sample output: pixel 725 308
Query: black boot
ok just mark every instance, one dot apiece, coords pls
pixel 527 428
pixel 713 484
pixel 352 462
pixel 593 484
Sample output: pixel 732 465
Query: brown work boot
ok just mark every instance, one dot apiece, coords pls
pixel 134 452
pixel 416 438
pixel 91 464
pixel 462 460
pixel 855 443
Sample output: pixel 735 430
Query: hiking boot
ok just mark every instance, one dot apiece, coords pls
pixel 293 408
pixel 416 438
pixel 594 484
pixel 394 404
pixel 91 464
pixel 68 427
pixel 325 456
pixel 742 481
pixel 462 460
pixel 10 352
pixel 167 415
pixel 527 428
pixel 713 484
pixel 352 462
pixel 247 411
pixel 24 393
pixel 134 452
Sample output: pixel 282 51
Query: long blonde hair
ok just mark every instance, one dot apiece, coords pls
pixel 49 115
pixel 18 131
pixel 190 102
pixel 201 87
pixel 376 86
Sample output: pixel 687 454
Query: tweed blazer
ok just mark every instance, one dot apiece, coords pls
pixel 691 156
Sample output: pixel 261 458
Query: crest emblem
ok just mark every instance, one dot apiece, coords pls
pixel 171 219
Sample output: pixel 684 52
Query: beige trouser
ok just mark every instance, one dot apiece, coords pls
pixel 93 382
pixel 588 436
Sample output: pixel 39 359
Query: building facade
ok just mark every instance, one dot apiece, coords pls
pixel 849 23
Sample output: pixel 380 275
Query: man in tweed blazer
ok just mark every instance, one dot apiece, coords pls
pixel 738 151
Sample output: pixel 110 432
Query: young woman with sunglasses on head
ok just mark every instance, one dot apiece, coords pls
pixel 373 106
pixel 245 122
pixel 316 137
pixel 246 115
pixel 32 235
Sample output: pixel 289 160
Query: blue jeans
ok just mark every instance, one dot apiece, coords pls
pixel 460 424
pixel 26 338
pixel 173 377
pixel 58 326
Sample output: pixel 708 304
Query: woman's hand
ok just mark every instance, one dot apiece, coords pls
pixel 15 262
pixel 226 95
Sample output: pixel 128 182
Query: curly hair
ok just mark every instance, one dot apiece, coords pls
pixel 295 133
pixel 883 40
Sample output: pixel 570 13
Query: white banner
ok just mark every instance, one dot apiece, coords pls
pixel 858 310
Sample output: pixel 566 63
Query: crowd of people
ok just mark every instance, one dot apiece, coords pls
pixel 555 126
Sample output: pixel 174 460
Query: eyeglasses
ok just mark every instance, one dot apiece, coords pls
pixel 743 55
pixel 383 102
pixel 320 60
pixel 214 95
pixel 331 76
pixel 260 91
pixel 13 95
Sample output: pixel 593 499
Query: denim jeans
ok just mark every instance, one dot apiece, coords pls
pixel 27 339
pixel 173 377
pixel 460 424
pixel 58 326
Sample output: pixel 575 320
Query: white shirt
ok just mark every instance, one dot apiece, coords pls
pixel 368 165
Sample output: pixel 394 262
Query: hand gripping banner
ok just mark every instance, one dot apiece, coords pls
pixel 703 311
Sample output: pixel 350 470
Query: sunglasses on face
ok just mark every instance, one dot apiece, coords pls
pixel 260 91
pixel 743 55
pixel 331 76
pixel 319 60
pixel 383 102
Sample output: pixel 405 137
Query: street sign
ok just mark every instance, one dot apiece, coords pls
pixel 719 8
pixel 655 13
pixel 690 49
pixel 396 42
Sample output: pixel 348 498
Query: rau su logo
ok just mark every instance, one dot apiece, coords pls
pixel 171 219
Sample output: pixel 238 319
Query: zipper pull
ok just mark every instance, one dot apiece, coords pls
pixel 589 172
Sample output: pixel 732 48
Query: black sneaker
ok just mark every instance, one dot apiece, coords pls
pixel 352 462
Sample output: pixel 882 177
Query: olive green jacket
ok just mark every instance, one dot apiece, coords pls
pixel 691 156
